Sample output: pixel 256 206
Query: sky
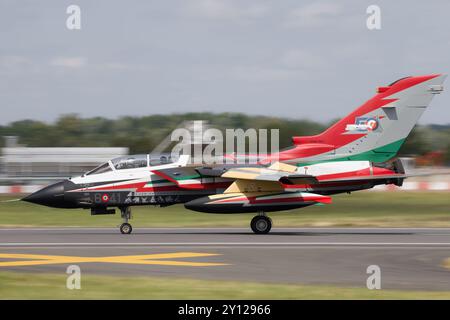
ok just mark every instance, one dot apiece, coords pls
pixel 296 59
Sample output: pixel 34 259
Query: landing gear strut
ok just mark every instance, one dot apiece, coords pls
pixel 125 227
pixel 261 224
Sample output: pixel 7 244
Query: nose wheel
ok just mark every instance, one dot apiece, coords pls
pixel 261 224
pixel 125 227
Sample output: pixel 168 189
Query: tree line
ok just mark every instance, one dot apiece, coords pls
pixel 143 134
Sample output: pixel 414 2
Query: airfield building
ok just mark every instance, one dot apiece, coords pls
pixel 22 164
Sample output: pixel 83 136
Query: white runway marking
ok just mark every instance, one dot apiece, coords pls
pixel 115 228
pixel 338 229
pixel 224 244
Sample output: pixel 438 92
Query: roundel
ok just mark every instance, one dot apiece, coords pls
pixel 105 198
pixel 372 124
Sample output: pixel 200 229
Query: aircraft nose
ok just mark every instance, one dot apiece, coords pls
pixel 52 195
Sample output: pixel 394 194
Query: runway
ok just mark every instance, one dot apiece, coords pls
pixel 408 258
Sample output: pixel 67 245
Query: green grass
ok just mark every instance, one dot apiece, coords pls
pixel 53 286
pixel 361 209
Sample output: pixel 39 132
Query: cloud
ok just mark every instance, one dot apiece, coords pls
pixel 115 66
pixel 314 14
pixel 17 65
pixel 225 9
pixel 261 73
pixel 292 64
pixel 69 62
pixel 14 61
pixel 301 59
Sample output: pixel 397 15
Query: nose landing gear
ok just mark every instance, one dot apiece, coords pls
pixel 125 227
pixel 261 224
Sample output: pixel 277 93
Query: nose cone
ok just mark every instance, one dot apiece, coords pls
pixel 51 196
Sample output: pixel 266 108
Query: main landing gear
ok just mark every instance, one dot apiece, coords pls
pixel 261 224
pixel 125 227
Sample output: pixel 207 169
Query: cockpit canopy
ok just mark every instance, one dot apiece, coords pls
pixel 100 169
pixel 132 162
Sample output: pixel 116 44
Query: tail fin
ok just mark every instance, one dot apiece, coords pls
pixel 377 129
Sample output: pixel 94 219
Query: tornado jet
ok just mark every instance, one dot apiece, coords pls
pixel 356 153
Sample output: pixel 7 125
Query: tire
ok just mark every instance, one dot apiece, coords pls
pixel 125 228
pixel 261 224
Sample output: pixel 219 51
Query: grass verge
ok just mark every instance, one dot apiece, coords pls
pixel 362 209
pixel 53 286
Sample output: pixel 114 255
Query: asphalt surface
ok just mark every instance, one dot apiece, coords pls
pixel 408 258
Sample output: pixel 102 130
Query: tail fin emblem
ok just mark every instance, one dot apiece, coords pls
pixel 363 125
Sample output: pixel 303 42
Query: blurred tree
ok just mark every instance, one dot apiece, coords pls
pixel 447 155
pixel 142 134
pixel 415 144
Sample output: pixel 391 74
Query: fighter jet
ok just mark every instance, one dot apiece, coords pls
pixel 356 153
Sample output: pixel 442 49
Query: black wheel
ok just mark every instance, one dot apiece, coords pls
pixel 261 224
pixel 125 228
